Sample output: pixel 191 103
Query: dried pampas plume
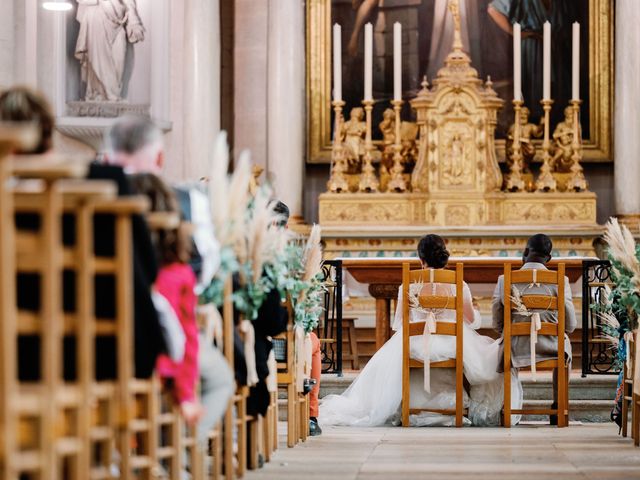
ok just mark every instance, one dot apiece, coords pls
pixel 237 205
pixel 610 320
pixel 219 186
pixel 261 233
pixel 622 247
pixel 313 254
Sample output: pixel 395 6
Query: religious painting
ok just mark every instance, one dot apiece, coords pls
pixel 427 36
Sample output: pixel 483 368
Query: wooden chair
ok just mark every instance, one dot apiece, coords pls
pixel 349 330
pixel 287 381
pixel 441 328
pixel 537 302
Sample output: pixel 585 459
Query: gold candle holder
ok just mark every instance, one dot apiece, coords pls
pixel 397 182
pixel 338 183
pixel 546 181
pixel 368 180
pixel 576 182
pixel 515 182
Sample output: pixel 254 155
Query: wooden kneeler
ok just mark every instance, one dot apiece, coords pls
pixel 540 303
pixel 435 302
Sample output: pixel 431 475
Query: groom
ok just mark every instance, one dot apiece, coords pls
pixel 535 256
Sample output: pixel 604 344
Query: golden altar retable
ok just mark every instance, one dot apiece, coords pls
pixel 456 187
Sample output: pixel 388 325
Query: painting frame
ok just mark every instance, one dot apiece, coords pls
pixel 597 146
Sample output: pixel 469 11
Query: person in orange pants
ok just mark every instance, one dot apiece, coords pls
pixel 316 369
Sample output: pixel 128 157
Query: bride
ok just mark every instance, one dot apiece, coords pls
pixel 375 395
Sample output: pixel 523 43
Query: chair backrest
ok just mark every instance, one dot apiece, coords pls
pixel 534 302
pixel 433 302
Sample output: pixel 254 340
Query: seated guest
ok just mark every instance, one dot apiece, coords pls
pixel 535 256
pixel 22 104
pixel 176 282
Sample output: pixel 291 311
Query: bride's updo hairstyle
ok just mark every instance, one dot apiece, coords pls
pixel 433 251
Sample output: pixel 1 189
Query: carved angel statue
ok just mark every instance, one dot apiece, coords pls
pixel 528 131
pixel 106 26
pixel 353 131
pixel 388 129
pixel 563 143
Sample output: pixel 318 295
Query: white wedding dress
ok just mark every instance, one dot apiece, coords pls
pixel 374 397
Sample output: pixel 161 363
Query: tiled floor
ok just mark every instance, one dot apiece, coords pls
pixel 588 451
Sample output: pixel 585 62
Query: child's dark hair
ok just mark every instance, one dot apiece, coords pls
pixel 22 104
pixel 172 244
pixel 433 251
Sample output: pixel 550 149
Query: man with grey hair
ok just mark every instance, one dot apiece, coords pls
pixel 135 144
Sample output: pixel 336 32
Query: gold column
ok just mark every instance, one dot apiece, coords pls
pixel 368 180
pixel 546 182
pixel 515 183
pixel 397 182
pixel 576 181
pixel 338 183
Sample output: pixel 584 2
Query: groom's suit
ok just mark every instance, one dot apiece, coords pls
pixel 547 347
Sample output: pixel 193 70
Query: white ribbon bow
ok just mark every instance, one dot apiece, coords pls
pixel 429 328
pixel 249 335
pixel 536 324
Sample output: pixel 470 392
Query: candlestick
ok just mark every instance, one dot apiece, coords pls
pixel 397 61
pixel 517 63
pixel 575 57
pixel 368 180
pixel 546 61
pixel 515 183
pixel 368 62
pixel 397 182
pixel 338 183
pixel 546 182
pixel 576 181
pixel 337 63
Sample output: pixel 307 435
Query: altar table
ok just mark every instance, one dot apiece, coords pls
pixel 384 276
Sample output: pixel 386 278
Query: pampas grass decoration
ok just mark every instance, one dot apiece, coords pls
pixel 237 206
pixel 313 254
pixel 219 187
pixel 622 247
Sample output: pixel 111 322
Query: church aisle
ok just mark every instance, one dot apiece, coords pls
pixel 582 451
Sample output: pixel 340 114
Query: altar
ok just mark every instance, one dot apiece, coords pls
pixel 441 174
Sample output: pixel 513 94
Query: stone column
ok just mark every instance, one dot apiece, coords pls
pixel 627 121
pixel 285 102
pixel 201 85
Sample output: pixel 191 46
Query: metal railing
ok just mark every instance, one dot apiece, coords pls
pixel 597 355
pixel 329 330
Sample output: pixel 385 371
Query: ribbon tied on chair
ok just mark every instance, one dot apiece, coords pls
pixel 536 325
pixel 249 336
pixel 429 328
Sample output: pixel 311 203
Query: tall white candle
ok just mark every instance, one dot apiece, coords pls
pixel 368 61
pixel 517 63
pixel 337 63
pixel 575 77
pixel 546 61
pixel 397 61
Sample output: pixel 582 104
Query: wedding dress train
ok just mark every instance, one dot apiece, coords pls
pixel 374 397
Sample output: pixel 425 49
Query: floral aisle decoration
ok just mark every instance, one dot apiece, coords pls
pixel 619 309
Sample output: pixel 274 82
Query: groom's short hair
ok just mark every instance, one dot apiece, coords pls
pixel 540 244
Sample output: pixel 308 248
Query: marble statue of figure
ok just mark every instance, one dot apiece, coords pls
pixel 528 131
pixel 106 27
pixel 354 130
pixel 563 143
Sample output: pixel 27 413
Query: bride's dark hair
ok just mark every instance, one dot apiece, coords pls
pixel 433 251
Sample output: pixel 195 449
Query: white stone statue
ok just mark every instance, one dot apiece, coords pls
pixel 106 26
